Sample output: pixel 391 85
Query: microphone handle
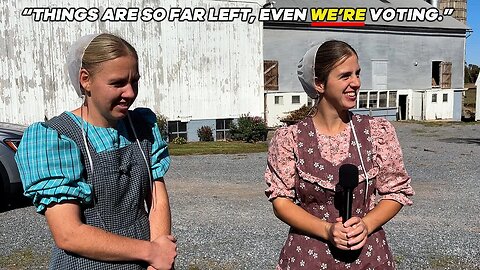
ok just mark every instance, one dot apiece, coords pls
pixel 347 213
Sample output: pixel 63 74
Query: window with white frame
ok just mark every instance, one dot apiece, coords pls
pixel 377 99
pixel 434 97
pixel 295 99
pixel 382 99
pixel 372 100
pixel 362 100
pixel 279 100
pixel 445 97
pixel 392 99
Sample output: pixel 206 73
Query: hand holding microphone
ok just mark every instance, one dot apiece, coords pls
pixel 356 229
pixel 347 233
pixel 348 180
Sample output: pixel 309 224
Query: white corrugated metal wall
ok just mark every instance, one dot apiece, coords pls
pixel 190 70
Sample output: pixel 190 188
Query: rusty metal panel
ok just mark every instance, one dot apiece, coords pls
pixel 190 70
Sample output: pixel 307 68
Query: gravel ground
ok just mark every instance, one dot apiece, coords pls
pixel 223 221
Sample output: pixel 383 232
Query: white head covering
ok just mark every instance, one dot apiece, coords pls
pixel 306 72
pixel 74 60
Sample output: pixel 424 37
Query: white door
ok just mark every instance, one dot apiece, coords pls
pixel 379 74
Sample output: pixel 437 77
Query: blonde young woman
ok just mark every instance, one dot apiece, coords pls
pixel 303 171
pixel 96 172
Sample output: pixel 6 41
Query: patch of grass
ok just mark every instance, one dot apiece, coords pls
pixel 449 262
pixel 206 148
pixel 23 259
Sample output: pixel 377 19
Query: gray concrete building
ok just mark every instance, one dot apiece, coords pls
pixel 410 69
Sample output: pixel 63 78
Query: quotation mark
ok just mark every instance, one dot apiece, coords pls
pixel 448 11
pixel 27 12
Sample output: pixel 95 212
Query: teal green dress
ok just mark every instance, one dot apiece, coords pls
pixel 111 187
pixel 51 167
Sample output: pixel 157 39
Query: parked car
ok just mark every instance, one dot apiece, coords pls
pixel 10 184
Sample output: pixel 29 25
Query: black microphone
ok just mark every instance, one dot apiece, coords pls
pixel 348 180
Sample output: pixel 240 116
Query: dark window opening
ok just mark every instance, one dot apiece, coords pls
pixel 295 99
pixel 436 73
pixel 362 100
pixel 392 102
pixel 279 100
pixel 382 100
pixel 372 102
pixel 222 127
pixel 177 129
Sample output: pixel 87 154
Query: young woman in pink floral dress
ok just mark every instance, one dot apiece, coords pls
pixel 303 168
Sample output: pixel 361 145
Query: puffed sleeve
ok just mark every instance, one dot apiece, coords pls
pixel 281 170
pixel 160 159
pixel 393 181
pixel 50 168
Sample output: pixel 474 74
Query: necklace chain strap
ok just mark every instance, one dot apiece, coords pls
pixel 360 155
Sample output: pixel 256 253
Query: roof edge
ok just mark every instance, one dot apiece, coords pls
pixel 402 29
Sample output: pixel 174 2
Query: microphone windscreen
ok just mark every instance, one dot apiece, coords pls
pixel 348 176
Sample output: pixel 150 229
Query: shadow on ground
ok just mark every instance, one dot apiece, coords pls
pixel 462 140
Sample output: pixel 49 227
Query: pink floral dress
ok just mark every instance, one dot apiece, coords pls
pixel 303 166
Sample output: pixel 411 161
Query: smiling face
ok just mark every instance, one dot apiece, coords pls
pixel 110 90
pixel 340 90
